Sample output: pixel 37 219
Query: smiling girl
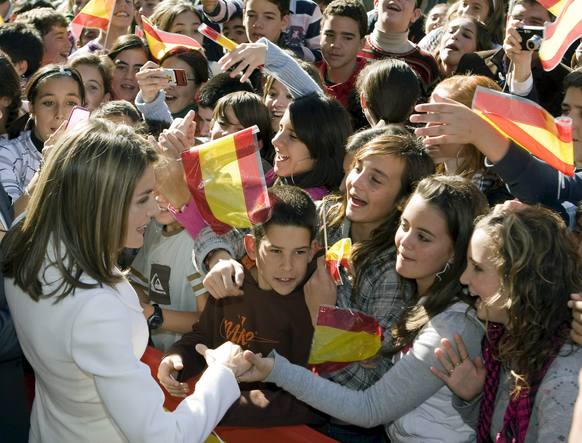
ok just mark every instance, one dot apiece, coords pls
pixel 521 271
pixel 433 231
pixel 129 54
pixel 96 72
pixel 52 92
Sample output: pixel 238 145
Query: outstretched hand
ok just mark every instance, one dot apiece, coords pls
pixel 227 354
pixel 463 375
pixel 245 58
pixel 260 368
pixel 450 122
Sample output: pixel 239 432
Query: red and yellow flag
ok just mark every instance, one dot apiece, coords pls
pixel 561 34
pixel 161 42
pixel 529 125
pixel 95 14
pixel 340 254
pixel 342 336
pixel 226 179
pixel 217 37
pixel 554 6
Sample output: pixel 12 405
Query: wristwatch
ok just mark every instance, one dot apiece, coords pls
pixel 157 318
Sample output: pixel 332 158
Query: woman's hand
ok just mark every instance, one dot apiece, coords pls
pixel 227 354
pixel 319 290
pixel 463 376
pixel 451 122
pixel 151 80
pixel 260 369
pixel 167 372
pixel 247 57
pixel 225 278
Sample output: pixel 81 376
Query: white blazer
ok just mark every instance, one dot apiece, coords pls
pixel 90 384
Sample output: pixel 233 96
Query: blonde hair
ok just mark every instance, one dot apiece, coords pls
pixel 79 209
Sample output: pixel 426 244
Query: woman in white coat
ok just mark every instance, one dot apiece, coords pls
pixel 78 320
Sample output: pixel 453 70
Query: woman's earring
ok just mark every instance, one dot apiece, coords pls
pixel 439 274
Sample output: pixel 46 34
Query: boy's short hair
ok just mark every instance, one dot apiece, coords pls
pixel 283 6
pixel 290 206
pixel 513 3
pixel 22 42
pixel 218 86
pixel 43 19
pixel 349 8
pixel 573 79
pixel 118 108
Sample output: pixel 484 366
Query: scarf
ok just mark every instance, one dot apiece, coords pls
pixel 518 412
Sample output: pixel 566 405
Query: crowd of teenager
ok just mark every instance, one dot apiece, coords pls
pixel 465 246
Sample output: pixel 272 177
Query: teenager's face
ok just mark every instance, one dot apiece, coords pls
pixel 528 14
pixel 282 256
pixel 475 8
pixel 572 107
pixel 142 208
pixel 448 151
pixel 292 155
pixel 277 102
pixel 123 83
pixel 234 29
pixel 178 97
pixel 203 121
pixel 123 14
pixel 372 187
pixel 187 23
pixel 262 18
pixel 226 125
pixel 147 7
pixel 55 99
pixel 423 242
pixel 56 46
pixel 435 18
pixel 396 15
pixel 482 280
pixel 460 38
pixel 340 41
pixel 94 87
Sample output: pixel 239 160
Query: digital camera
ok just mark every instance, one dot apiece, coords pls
pixel 531 37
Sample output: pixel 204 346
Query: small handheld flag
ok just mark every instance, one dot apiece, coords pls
pixel 226 179
pixel 217 37
pixel 342 336
pixel 95 14
pixel 561 34
pixel 340 254
pixel 161 42
pixel 529 125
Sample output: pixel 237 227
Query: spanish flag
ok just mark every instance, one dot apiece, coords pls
pixel 161 42
pixel 95 14
pixel 343 336
pixel 340 254
pixel 226 179
pixel 561 34
pixel 554 6
pixel 217 37
pixel 529 125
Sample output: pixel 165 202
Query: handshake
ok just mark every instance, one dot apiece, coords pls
pixel 246 366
